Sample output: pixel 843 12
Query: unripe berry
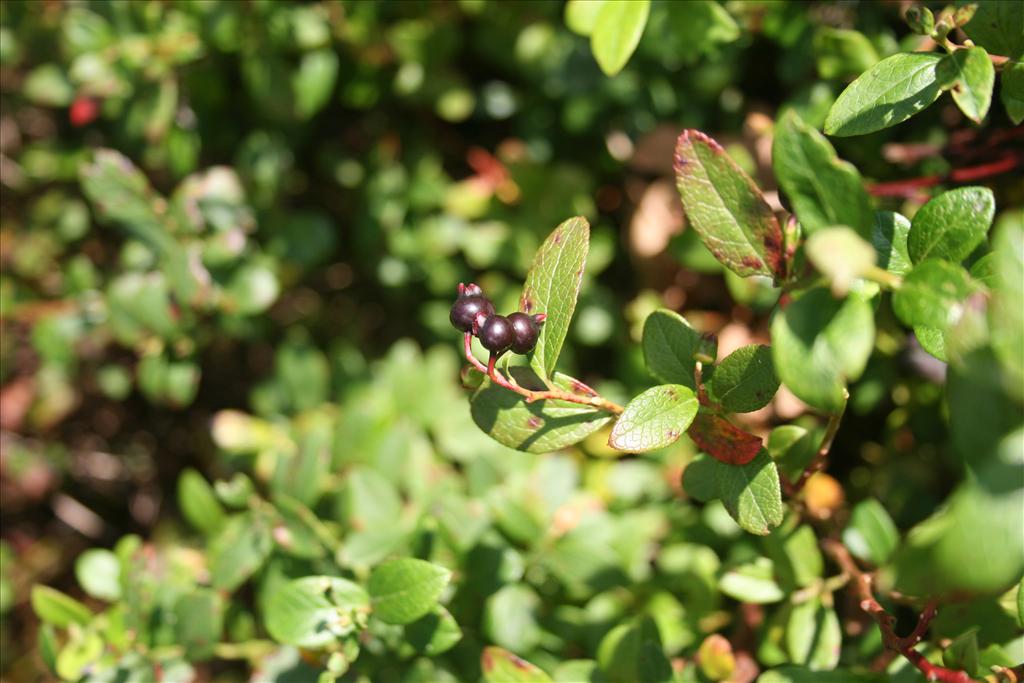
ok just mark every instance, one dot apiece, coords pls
pixel 496 334
pixel 468 311
pixel 526 329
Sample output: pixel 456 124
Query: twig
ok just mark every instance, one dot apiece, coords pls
pixel 887 622
pixel 911 186
pixel 821 457
pixel 489 370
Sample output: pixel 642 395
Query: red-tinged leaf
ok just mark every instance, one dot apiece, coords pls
pixel 717 437
pixel 501 666
pixel 727 209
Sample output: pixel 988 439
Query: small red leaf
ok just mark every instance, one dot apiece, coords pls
pixel 717 437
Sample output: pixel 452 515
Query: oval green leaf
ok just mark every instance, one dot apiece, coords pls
pixel 617 30
pixel 654 419
pixel 404 590
pixel 888 93
pixel 552 287
pixel 745 380
pixel 315 611
pixel 951 225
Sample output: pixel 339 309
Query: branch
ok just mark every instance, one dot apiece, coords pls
pixel 887 622
pixel 594 400
pixel 910 186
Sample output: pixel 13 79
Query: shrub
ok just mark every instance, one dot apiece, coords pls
pixel 232 404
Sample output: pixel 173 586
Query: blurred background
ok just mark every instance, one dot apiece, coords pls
pixel 230 233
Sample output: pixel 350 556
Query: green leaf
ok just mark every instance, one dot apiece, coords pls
pixel 751 493
pixel 871 534
pixel 239 550
pixel 727 209
pixel 998 26
pixel 951 225
pixel 888 93
pixel 933 294
pixel 316 611
pixel 99 574
pixel 581 15
pixel 797 560
pixel 1006 315
pixel 54 607
pixel 962 654
pixel 793 448
pixel 752 582
pixel 1012 92
pixel 698 27
pixel 79 654
pixel 813 635
pixel 313 81
pixel 539 427
pixel 617 30
pixel 745 380
pixel 654 419
pixel 841 255
pixel 890 235
pixel 199 622
pixel 48 85
pixel 404 590
pixel 552 286
pixel 633 652
pixel 670 346
pixel 1020 603
pixel 823 189
pixel 974 523
pixel 199 504
pixel 970 77
pixel 843 52
pixel 498 665
pixel 434 633
pixel 818 343
pixel 510 618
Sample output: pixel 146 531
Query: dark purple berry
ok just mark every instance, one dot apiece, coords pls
pixel 526 329
pixel 496 334
pixel 470 310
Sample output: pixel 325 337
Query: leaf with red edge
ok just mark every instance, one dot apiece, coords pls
pixel 717 437
pixel 727 209
pixel 501 666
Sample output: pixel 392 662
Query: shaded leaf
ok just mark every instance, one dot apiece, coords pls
pixel 199 504
pixel 871 534
pixel 745 380
pixel 434 633
pixel 751 493
pixel 1006 315
pixel 538 427
pixel 813 636
pixel 890 234
pixel 199 621
pixel 1012 91
pixel 970 76
pixel 840 255
pixel 633 652
pixel 818 343
pixel 823 189
pixel 888 93
pixel 998 26
pixel 239 550
pixel 670 346
pixel 752 582
pixel 654 419
pixel 727 209
pixel 552 286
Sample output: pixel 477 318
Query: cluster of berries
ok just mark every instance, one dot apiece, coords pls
pixel 473 313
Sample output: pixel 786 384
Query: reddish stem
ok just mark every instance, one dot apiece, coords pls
pixel 887 622
pixel 910 186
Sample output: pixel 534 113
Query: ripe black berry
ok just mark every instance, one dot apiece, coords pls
pixel 496 334
pixel 526 329
pixel 470 308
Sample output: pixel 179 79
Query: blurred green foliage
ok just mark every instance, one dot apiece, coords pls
pixel 230 233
